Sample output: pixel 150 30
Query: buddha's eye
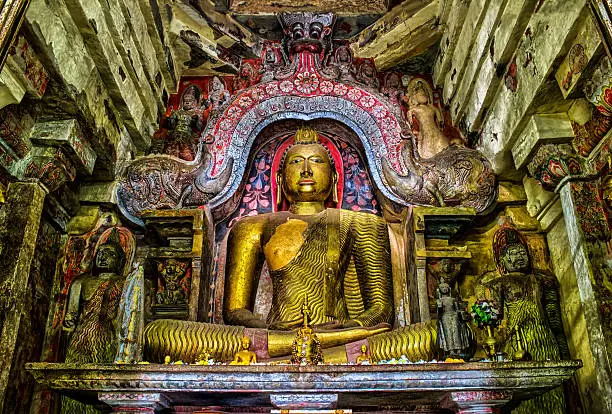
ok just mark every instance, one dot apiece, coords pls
pixel 316 159
pixel 296 160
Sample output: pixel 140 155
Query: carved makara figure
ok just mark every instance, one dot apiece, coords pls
pixel 530 302
pixel 184 126
pixel 340 259
pixel 440 172
pixel 161 182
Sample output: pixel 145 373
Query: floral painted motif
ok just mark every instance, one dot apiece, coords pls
pixel 306 82
pixel 286 86
pixel 358 194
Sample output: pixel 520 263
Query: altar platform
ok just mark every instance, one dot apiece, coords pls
pixel 474 387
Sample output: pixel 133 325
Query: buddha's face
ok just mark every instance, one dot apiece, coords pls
pixel 108 258
pixel 246 343
pixel 515 258
pixel 307 174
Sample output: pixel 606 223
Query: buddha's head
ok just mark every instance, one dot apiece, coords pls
pixel 246 343
pixel 307 173
pixel 510 251
pixel 110 256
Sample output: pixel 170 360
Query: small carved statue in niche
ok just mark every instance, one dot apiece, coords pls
pixel 531 309
pixel 446 270
pixel 218 94
pixel 173 283
pixel 184 126
pixel 453 332
pixel 245 78
pixel 392 88
pixel 92 316
pixel 269 66
pixel 368 75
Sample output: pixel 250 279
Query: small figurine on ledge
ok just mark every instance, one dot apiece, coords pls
pixel 364 358
pixel 306 348
pixel 453 332
pixel 245 356
pixel 205 358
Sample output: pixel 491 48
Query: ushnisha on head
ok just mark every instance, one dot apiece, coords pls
pixel 306 173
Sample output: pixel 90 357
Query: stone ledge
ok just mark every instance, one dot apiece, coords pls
pixel 523 376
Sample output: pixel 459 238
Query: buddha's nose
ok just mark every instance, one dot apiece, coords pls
pixel 306 168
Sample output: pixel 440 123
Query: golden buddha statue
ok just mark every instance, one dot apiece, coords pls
pixel 245 356
pixel 340 259
pixel 363 359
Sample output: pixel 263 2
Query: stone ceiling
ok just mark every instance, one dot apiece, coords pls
pixel 209 37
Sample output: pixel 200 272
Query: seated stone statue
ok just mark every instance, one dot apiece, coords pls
pixel 338 260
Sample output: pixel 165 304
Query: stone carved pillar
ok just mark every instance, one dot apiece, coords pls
pixel 19 225
pixel 587 230
pixel 11 17
pixel 477 402
pixel 130 403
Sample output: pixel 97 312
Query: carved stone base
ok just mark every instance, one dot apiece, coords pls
pixel 477 402
pixel 304 401
pixel 129 403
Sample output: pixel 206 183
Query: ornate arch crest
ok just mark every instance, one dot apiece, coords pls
pixel 306 95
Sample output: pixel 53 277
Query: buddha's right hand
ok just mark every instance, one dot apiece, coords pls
pixel 246 318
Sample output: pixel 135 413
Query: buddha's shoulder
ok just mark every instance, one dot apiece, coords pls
pixel 260 220
pixel 361 217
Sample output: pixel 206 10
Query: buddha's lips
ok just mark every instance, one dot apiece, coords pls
pixel 306 182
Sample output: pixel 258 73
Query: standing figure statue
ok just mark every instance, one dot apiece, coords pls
pixel 531 309
pixel 92 317
pixel 453 332
pixel 184 126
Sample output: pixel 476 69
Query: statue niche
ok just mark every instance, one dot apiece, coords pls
pixel 440 172
pixel 336 260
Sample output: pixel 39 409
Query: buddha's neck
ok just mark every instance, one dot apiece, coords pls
pixel 304 208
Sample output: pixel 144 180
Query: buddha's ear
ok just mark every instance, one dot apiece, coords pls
pixel 279 188
pixel 335 188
